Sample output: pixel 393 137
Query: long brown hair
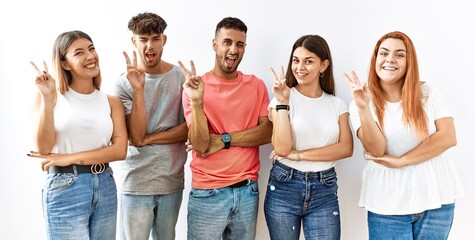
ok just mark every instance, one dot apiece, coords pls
pixel 413 112
pixel 315 44
pixel 60 48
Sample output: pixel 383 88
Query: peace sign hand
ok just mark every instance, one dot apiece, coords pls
pixel 135 75
pixel 194 85
pixel 280 89
pixel 44 82
pixel 359 91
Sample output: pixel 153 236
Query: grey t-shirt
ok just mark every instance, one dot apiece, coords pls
pixel 156 168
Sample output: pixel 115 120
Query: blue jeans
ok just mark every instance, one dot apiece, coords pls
pixel 434 224
pixel 227 213
pixel 296 198
pixel 82 206
pixel 141 214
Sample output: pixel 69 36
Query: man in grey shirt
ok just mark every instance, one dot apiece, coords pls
pixel 153 172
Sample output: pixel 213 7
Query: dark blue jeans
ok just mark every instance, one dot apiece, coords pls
pixel 296 198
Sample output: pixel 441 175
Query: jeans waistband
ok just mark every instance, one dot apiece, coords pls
pixel 303 175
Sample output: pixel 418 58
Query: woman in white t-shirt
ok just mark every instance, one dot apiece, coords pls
pixel 311 132
pixel 409 183
pixel 78 131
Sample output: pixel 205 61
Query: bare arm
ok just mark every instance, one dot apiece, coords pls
pixel 281 132
pixel 175 134
pixel 437 143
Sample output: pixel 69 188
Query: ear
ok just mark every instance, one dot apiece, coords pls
pixel 164 39
pixel 215 45
pixel 324 65
pixel 65 66
pixel 132 39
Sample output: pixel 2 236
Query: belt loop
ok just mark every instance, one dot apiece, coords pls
pixel 291 173
pixel 75 169
pixel 320 175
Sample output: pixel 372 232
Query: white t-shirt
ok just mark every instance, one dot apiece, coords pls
pixel 414 188
pixel 314 123
pixel 82 122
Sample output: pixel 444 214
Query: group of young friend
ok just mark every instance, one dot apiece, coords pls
pixel 159 111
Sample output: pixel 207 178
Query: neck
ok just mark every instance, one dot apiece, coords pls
pixel 229 76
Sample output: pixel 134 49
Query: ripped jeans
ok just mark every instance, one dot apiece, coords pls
pixel 295 198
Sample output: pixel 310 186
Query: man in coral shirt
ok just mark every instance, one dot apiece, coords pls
pixel 226 127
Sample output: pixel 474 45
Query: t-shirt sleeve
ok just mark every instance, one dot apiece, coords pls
pixel 264 99
pixel 437 102
pixel 341 105
pixel 123 90
pixel 186 108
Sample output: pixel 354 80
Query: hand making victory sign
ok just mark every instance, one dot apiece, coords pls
pixel 45 82
pixel 280 89
pixel 359 91
pixel 135 75
pixel 194 85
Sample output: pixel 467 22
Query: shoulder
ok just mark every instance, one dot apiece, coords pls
pixel 114 100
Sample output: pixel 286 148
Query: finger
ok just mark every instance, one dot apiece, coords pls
pixel 127 59
pixel 273 73
pixel 183 69
pixel 282 75
pixel 45 66
pixel 134 59
pixel 193 69
pixel 355 77
pixel 35 67
pixel 348 79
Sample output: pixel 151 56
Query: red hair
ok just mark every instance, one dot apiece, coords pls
pixel 413 112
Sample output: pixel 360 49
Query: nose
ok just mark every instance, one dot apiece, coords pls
pixel 390 58
pixel 233 49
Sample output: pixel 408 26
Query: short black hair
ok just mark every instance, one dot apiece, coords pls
pixel 231 23
pixel 147 23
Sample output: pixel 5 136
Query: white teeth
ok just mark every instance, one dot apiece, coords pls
pixel 90 65
pixel 389 68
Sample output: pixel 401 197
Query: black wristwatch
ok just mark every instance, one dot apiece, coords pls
pixel 226 138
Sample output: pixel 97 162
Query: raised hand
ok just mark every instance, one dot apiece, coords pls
pixel 359 91
pixel 44 82
pixel 194 85
pixel 135 75
pixel 280 89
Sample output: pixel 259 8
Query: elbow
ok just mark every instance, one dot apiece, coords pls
pixel 282 151
pixel 136 142
pixel 348 151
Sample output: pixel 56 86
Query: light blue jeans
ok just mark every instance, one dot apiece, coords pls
pixel 82 206
pixel 227 213
pixel 142 216
pixel 434 224
pixel 308 199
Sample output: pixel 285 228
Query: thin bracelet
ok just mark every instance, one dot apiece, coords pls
pixel 298 155
pixel 282 107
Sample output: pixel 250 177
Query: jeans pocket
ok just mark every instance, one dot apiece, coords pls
pixel 59 181
pixel 202 193
pixel 329 177
pixel 280 174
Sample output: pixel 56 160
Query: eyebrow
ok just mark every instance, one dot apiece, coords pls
pixel 307 58
pixel 398 50
pixel 82 49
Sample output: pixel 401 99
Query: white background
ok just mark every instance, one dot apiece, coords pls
pixel 442 31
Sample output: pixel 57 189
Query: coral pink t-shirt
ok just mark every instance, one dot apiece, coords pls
pixel 230 106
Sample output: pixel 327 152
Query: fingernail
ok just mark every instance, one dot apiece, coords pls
pixel 27 154
pixel 44 71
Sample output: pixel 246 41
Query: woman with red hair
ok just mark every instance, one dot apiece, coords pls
pixel 409 182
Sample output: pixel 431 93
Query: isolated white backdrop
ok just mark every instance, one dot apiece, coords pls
pixel 442 32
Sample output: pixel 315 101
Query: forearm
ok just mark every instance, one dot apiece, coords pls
pixel 198 132
pixel 45 137
pixel 370 134
pixel 106 154
pixel 439 142
pixel 281 132
pixel 137 120
pixel 175 134
pixel 253 137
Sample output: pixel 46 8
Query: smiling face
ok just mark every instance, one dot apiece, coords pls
pixel 81 59
pixel 229 45
pixel 150 49
pixel 307 66
pixel 391 62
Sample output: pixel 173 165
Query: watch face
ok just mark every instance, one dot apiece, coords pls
pixel 226 137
